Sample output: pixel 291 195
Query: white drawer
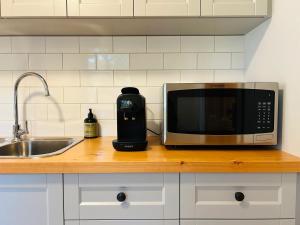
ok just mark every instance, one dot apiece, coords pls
pixel 212 196
pixel 237 222
pixel 123 222
pixel 148 196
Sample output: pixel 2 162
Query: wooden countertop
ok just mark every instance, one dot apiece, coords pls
pixel 98 156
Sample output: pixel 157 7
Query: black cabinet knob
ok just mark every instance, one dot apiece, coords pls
pixel 121 197
pixel 239 196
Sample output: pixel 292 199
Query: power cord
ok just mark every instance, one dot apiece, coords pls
pixel 158 134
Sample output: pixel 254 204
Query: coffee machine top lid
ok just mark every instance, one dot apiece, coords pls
pixel 130 90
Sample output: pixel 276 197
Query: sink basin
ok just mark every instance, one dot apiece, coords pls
pixel 37 147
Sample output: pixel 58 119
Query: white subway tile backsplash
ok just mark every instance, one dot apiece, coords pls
pixel 214 61
pixel 229 76
pixel 37 95
pixel 197 44
pixel 180 61
pixel 74 128
pixel 96 78
pixel 108 127
pixel 152 94
pixel 48 128
pixel 101 111
pixel 6 128
pixel 229 44
pixel 238 61
pixel 154 111
pixel 163 44
pixel 13 62
pixel 28 44
pixel 63 78
pixel 45 62
pixel 33 112
pixel 197 76
pixel 159 77
pixel 6 112
pixel 79 62
pixel 95 44
pixel 89 72
pixel 108 94
pixel 146 61
pixel 129 44
pixel 62 44
pixel 6 79
pixel 64 112
pixel 130 78
pixel 5 45
pixel 113 62
pixel 80 95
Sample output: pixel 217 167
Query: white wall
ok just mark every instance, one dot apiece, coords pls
pixel 273 54
pixel 85 72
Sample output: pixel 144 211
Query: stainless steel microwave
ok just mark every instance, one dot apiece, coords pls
pixel 220 114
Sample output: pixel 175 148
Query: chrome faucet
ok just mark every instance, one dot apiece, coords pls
pixel 17 131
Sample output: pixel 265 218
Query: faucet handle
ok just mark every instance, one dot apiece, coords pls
pixel 26 127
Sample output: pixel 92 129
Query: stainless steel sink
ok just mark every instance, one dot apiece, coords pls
pixel 37 147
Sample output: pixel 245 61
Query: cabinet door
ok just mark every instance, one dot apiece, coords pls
pixel 122 222
pixel 235 7
pixel 31 8
pixel 143 196
pixel 31 200
pixel 218 196
pixel 237 222
pixel 100 8
pixel 167 8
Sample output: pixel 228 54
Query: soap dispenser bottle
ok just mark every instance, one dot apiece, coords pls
pixel 91 126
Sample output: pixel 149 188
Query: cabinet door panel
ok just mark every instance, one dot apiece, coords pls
pixel 31 200
pixel 237 222
pixel 100 8
pixel 31 8
pixel 148 196
pixel 167 8
pixel 235 7
pixel 212 196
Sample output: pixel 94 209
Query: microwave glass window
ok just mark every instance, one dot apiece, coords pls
pixel 205 115
pixel 216 111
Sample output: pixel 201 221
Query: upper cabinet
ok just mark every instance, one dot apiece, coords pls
pixel 235 7
pixel 98 8
pixel 33 8
pixel 167 7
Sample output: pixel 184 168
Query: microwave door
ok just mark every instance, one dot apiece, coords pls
pixel 211 112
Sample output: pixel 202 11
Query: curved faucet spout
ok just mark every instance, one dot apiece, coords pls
pixel 17 132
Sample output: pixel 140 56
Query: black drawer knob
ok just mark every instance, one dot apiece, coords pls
pixel 121 197
pixel 239 196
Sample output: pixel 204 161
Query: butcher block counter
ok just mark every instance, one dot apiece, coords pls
pixel 98 156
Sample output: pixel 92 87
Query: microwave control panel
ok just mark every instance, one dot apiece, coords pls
pixel 265 111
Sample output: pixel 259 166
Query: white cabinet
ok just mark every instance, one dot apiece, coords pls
pixel 100 8
pixel 121 196
pixel 31 200
pixel 237 222
pixel 33 8
pixel 235 7
pixel 122 222
pixel 213 196
pixel 167 7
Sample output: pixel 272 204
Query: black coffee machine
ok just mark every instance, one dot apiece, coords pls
pixel 131 120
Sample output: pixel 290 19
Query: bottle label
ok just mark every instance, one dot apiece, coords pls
pixel 90 130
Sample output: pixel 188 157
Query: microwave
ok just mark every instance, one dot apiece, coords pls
pixel 220 114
